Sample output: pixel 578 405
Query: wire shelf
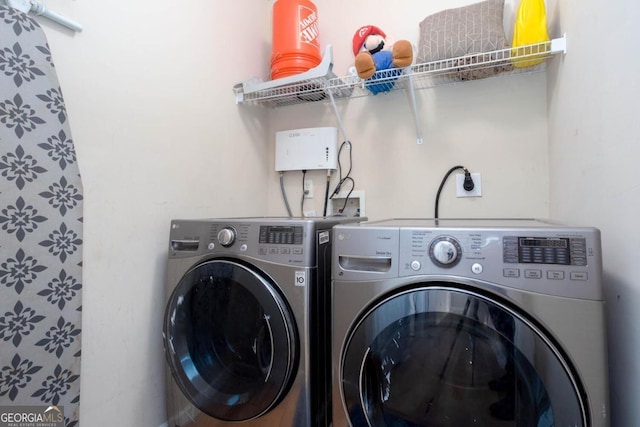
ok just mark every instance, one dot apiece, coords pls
pixel 321 84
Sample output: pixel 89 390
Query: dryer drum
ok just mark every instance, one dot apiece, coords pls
pixel 231 339
pixel 447 356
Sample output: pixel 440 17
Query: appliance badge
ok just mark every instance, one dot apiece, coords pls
pixel 301 278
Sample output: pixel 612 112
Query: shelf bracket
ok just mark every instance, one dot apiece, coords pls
pixel 414 107
pixel 559 45
pixel 337 113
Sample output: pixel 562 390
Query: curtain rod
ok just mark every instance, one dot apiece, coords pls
pixel 40 9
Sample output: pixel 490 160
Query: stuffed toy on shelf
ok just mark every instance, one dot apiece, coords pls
pixel 373 53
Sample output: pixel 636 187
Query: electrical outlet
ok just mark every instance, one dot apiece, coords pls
pixel 308 189
pixel 477 186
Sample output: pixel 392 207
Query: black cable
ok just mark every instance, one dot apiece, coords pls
pixel 344 144
pixel 346 199
pixel 449 172
pixel 326 193
pixel 341 180
pixel 304 174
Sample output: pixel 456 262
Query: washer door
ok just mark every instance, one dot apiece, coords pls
pixel 443 356
pixel 230 340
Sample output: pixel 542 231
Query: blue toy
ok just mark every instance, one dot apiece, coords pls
pixel 376 61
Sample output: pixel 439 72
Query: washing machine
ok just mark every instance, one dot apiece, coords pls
pixel 247 321
pixel 468 322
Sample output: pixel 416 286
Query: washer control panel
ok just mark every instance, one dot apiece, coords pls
pixel 280 235
pixel 285 241
pixel 281 243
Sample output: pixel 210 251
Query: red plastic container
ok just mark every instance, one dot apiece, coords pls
pixel 295 44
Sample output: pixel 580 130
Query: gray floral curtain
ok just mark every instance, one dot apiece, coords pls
pixel 40 227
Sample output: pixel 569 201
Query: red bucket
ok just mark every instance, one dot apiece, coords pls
pixel 296 47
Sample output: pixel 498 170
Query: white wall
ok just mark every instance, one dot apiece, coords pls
pixel 594 150
pixel 496 127
pixel 148 86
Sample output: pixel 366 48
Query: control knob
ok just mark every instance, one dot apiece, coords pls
pixel 445 251
pixel 227 236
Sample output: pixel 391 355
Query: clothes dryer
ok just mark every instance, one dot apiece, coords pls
pixel 244 327
pixel 468 322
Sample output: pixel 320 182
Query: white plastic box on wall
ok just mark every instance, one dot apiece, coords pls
pixel 307 149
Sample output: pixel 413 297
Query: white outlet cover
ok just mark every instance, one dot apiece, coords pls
pixel 477 186
pixel 338 200
pixel 308 189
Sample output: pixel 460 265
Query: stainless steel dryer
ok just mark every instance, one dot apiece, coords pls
pixel 468 322
pixel 243 331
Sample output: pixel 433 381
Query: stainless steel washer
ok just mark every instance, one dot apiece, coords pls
pixel 468 322
pixel 243 327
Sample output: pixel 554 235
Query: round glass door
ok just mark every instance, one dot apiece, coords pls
pixel 438 356
pixel 230 340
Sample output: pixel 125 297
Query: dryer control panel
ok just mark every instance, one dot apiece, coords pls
pixel 557 260
pixel 545 250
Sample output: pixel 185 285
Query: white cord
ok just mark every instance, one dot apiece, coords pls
pixel 284 195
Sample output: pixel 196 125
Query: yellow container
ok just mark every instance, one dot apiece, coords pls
pixel 530 29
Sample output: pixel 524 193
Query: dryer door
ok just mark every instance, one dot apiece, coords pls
pixel 230 340
pixel 441 356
